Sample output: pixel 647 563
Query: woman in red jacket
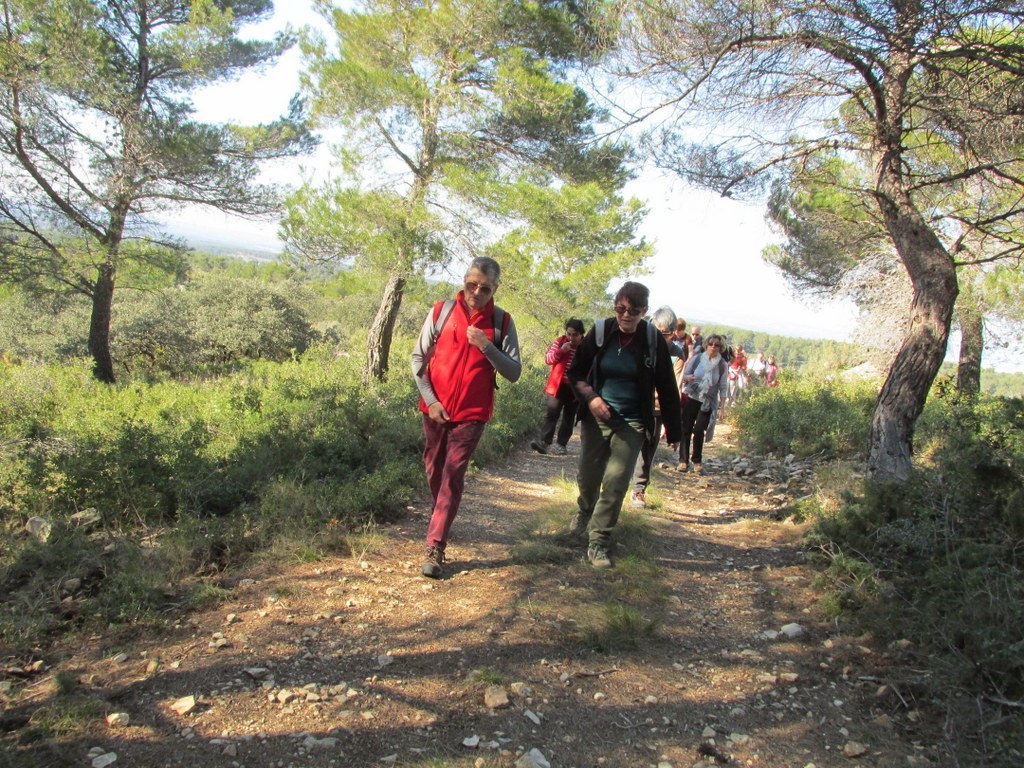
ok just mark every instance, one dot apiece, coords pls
pixel 561 398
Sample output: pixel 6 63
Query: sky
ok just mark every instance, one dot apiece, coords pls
pixel 707 264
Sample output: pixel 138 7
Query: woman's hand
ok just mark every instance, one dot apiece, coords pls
pixel 600 409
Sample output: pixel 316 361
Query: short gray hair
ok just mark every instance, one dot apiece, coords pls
pixel 664 319
pixel 488 266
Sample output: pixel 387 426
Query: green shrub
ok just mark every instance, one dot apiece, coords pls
pixel 806 416
pixel 941 558
pixel 974 448
pixel 116 580
pixel 191 479
pixel 210 322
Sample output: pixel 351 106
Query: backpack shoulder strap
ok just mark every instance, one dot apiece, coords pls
pixel 501 320
pixel 443 311
pixel 652 343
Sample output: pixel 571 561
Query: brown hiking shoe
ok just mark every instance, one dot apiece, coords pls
pixel 598 557
pixel 434 563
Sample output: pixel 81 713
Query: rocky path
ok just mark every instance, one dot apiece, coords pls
pixel 704 646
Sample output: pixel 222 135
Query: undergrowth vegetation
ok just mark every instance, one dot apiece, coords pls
pixel 938 560
pixel 606 615
pixel 139 495
pixel 808 416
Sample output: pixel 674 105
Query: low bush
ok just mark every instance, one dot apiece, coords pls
pixel 807 416
pixel 188 479
pixel 940 559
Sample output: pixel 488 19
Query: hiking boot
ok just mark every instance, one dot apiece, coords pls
pixel 684 466
pixel 558 450
pixel 598 556
pixel 638 499
pixel 432 566
pixel 698 469
pixel 578 525
pixel 538 446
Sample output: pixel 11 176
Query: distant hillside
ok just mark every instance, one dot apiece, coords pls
pixel 230 245
pixel 249 253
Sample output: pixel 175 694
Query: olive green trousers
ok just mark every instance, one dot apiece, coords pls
pixel 607 460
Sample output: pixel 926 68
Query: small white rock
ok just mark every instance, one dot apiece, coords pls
pixel 313 744
pixel 521 689
pixel 533 759
pixel 39 527
pixel 495 697
pixel 792 631
pixel 184 705
pixel 854 749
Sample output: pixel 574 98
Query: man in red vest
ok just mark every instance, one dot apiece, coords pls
pixel 462 347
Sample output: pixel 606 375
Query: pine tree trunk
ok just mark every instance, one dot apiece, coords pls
pixel 933 276
pixel 99 324
pixel 972 341
pixel 378 345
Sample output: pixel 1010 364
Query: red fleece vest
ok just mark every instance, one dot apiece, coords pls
pixel 461 375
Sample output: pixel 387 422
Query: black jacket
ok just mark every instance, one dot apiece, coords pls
pixel 584 378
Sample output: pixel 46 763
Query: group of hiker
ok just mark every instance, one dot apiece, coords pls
pixel 627 381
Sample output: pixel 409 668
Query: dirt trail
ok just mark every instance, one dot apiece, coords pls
pixel 360 661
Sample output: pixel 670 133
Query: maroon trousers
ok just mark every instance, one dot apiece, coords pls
pixel 446 454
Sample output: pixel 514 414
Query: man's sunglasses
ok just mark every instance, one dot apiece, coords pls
pixel 478 287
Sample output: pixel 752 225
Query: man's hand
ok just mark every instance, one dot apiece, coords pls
pixel 600 409
pixel 437 413
pixel 476 337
